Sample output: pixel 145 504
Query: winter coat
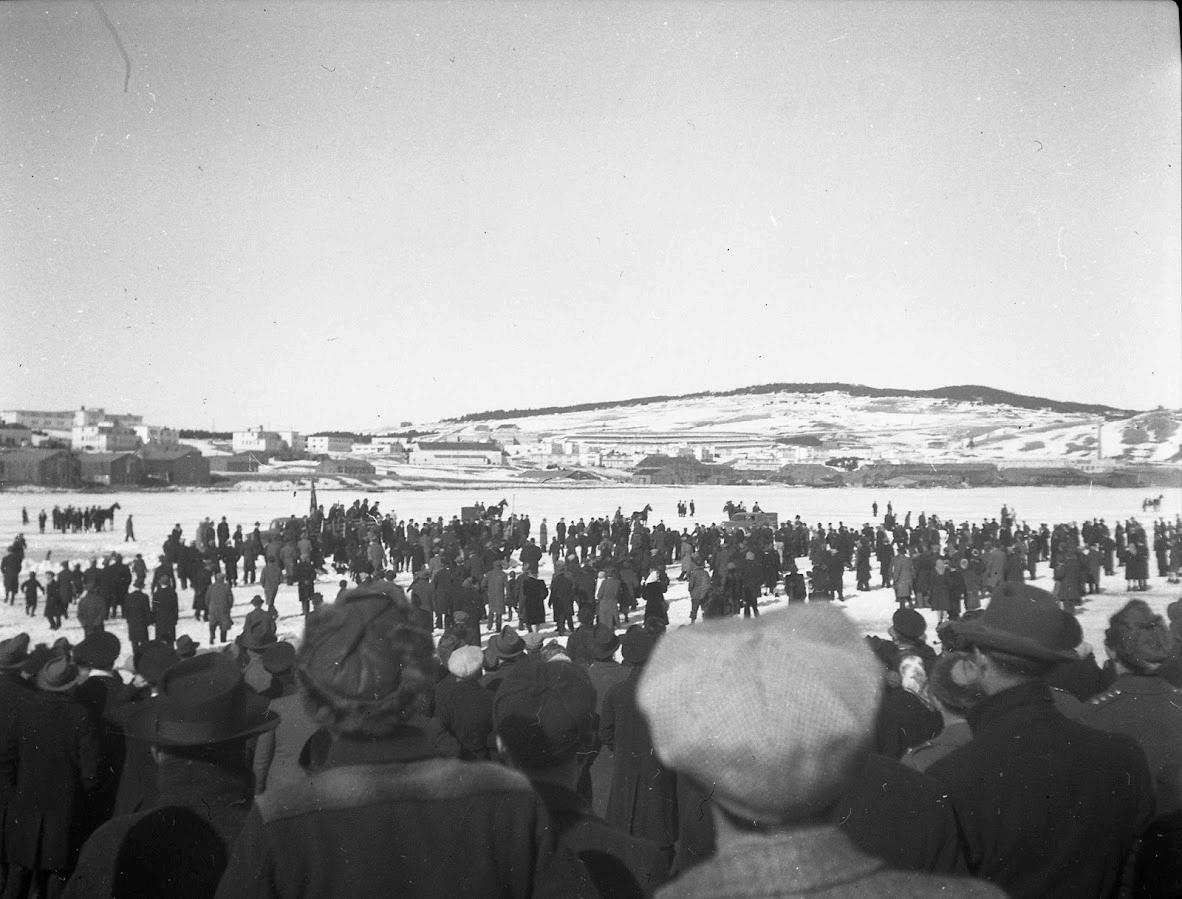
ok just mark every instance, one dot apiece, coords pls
pixel 1047 806
pixel 1068 579
pixel 902 575
pixel 810 861
pixel 642 800
pixel 199 812
pixel 92 610
pixel 138 613
pixel 465 709
pixel 49 766
pixel 608 599
pixel 493 585
pixel 165 610
pixel 533 600
pixel 219 600
pixel 337 833
pixel 604 676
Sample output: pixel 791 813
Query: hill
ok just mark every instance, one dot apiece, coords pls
pixel 967 393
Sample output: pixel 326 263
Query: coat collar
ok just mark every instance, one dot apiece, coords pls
pixel 798 861
pixel 1029 700
pixel 406 744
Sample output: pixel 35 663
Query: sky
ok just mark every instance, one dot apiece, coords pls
pixel 347 215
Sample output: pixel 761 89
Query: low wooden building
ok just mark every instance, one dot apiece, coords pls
pixel 238 463
pixel 181 466
pixel 350 467
pixel 111 468
pixel 43 467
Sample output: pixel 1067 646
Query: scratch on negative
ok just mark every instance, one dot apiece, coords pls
pixel 118 43
pixel 1059 246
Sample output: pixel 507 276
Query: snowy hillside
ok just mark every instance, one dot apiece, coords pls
pixel 837 422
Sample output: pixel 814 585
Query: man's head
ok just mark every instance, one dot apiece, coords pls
pixel 785 723
pixel 544 713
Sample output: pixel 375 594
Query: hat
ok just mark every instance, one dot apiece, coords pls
pixel 460 616
pixel 1022 621
pixel 651 578
pixel 544 713
pixel 533 641
pixel 256 600
pixel 362 650
pixel 1174 610
pixel 257 634
pixel 909 624
pixel 465 662
pixel 154 659
pixel 1138 637
pixel 603 643
pixel 637 644
pixel 14 651
pixel 781 726
pixel 98 650
pixel 185 647
pixel 507 644
pixel 201 701
pixel 278 658
pixel 57 675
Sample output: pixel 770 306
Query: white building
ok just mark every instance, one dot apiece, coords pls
pixel 157 434
pixel 104 437
pixel 456 454
pixel 256 440
pixel 323 444
pixel 36 420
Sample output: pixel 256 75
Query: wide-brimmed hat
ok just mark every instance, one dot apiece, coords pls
pixel 279 658
pixel 544 713
pixel 603 643
pixel 637 644
pixel 154 659
pixel 185 647
pixel 98 650
pixel 57 675
pixel 258 634
pixel 1022 621
pixel 507 644
pixel 201 701
pixel 13 652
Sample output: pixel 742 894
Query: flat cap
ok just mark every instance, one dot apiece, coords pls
pixel 782 721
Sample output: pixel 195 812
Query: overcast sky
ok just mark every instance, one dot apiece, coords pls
pixel 345 215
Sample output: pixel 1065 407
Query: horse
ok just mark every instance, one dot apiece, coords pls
pixel 496 510
pixel 100 516
pixel 642 515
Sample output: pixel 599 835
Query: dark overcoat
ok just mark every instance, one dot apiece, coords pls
pixel 642 800
pixel 50 764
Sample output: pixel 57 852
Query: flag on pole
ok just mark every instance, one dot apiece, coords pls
pixel 312 506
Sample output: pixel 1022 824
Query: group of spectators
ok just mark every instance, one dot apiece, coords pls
pixel 401 748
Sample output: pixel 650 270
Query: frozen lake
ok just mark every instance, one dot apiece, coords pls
pixel 156 513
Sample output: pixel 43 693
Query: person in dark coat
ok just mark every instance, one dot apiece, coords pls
pixel 655 606
pixel 1144 706
pixel 533 600
pixel 1048 806
pixel 14 692
pixel 138 612
pixel 101 691
pixel 765 734
pixel 464 707
pixel 642 800
pixel 165 612
pixel 544 715
pixel 605 672
pixel 477 827
pixel 198 724
pixel 55 606
pixel 92 612
pixel 49 766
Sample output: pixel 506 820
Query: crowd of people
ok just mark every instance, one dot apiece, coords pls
pixel 437 740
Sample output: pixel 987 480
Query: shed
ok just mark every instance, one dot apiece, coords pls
pixel 350 467
pixel 111 468
pixel 43 467
pixel 179 466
